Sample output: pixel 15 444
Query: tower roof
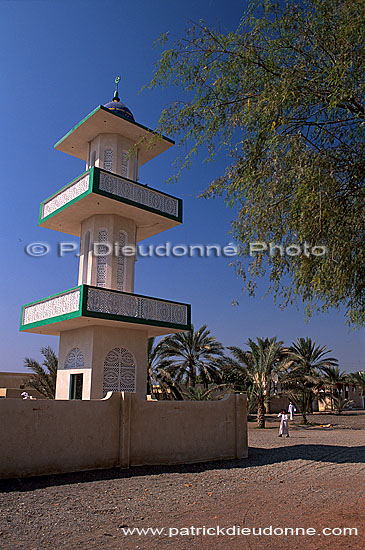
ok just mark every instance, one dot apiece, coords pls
pixel 104 120
pixel 113 117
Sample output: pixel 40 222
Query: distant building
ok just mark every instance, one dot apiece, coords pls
pixel 13 384
pixel 347 391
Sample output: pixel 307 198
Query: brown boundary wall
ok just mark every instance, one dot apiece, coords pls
pixel 56 436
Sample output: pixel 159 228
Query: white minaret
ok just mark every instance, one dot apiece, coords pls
pixel 103 325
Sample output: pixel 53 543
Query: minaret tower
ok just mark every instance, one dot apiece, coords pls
pixel 103 325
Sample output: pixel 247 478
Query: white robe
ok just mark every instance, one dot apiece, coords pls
pixel 284 424
pixel 291 411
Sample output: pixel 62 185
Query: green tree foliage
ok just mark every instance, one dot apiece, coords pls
pixel 341 403
pixel 305 361
pixel 359 379
pixel 193 354
pixel 43 378
pixel 199 394
pixel 283 94
pixel 260 363
pixel 158 374
pixel 332 377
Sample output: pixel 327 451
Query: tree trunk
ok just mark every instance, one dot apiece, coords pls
pixel 261 412
pixel 304 408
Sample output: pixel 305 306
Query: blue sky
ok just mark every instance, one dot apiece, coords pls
pixel 58 62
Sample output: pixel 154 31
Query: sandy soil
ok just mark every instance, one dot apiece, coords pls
pixel 314 479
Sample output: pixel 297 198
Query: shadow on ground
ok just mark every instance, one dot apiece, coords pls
pixel 335 454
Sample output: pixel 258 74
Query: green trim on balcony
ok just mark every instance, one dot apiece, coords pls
pixel 84 312
pixel 94 187
pixel 87 192
pixel 56 318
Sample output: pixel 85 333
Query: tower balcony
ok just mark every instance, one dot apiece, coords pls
pixel 86 306
pixel 98 191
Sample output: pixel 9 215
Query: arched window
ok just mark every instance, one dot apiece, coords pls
pixel 108 160
pixel 74 359
pixel 101 261
pixel 85 253
pixel 119 371
pixel 122 264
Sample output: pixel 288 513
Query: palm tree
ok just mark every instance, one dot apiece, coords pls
pixel 153 361
pixel 237 378
pixel 261 362
pixel 331 377
pixel 43 378
pixel 193 354
pixel 305 360
pixel 358 378
pixel 198 394
pixel 157 373
pixel 341 403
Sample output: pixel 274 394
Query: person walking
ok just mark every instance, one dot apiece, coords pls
pixel 284 423
pixel 291 410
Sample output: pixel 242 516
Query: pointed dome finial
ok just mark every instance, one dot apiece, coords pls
pixel 116 106
pixel 116 95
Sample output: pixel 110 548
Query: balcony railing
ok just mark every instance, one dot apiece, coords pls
pixel 113 305
pixel 101 182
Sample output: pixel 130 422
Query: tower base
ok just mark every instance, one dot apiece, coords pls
pixel 94 360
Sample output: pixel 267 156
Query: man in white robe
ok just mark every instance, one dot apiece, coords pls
pixel 291 410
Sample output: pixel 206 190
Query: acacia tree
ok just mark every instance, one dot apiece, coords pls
pixel 284 94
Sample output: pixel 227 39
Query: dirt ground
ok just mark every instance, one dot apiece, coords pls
pixel 312 480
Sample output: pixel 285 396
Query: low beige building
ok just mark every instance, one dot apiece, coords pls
pixel 347 391
pixel 13 384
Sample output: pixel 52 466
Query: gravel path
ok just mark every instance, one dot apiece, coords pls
pixel 313 479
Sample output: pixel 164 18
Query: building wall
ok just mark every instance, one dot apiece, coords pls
pixel 49 436
pixel 277 402
pixel 13 379
pixel 162 433
pixel 55 436
pixel 12 384
pixel 113 225
pixel 95 342
pixel 350 391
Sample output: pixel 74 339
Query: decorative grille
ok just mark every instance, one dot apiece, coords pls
pixel 101 262
pixel 74 359
pixel 125 164
pixel 121 267
pixel 119 371
pixel 116 185
pixel 127 305
pixel 66 195
pixel 52 307
pixel 108 160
